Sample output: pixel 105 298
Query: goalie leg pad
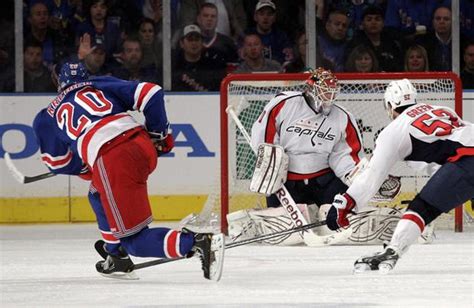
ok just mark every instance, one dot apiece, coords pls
pixel 271 169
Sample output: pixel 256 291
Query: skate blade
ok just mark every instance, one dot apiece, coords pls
pixel 218 248
pixel 361 268
pixel 122 276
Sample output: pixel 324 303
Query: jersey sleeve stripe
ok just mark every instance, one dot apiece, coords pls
pixel 56 162
pixel 143 93
pixel 271 129
pixel 353 140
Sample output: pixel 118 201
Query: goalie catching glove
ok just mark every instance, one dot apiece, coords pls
pixel 271 169
pixel 337 215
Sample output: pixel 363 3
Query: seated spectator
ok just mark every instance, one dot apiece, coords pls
pixel 387 47
pixel 467 74
pixel 94 61
pixel 362 59
pixel 192 69
pixel 37 78
pixel 331 42
pixel 466 18
pixel 132 67
pixel 151 47
pixel 438 42
pixel 277 45
pixel 101 28
pixel 231 20
pixel 55 47
pixel 216 44
pixel 153 9
pixel 416 59
pixel 254 61
pixel 299 63
pixel 411 16
pixel 7 47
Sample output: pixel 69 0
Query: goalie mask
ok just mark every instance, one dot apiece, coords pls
pixel 399 93
pixel 322 88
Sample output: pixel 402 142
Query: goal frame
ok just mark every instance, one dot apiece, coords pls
pixel 224 122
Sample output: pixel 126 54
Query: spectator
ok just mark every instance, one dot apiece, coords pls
pixel 362 59
pixel 153 9
pixel 277 45
pixel 416 59
pixel 411 16
pixel 192 69
pixel 100 28
pixel 54 47
pixel 231 20
pixel 467 74
pixel 132 67
pixel 466 18
pixel 37 78
pixel 254 61
pixel 387 47
pixel 151 47
pixel 332 43
pixel 438 42
pixel 95 60
pixel 218 45
pixel 299 63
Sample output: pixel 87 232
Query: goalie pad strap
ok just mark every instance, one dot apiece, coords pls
pixel 271 169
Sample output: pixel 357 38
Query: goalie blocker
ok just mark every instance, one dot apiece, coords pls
pixel 271 169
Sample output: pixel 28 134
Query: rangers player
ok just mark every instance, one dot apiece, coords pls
pixel 423 133
pixel 87 131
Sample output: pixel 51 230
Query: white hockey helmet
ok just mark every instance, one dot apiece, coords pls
pixel 323 88
pixel 399 93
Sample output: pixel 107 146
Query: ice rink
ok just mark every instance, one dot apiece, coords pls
pixel 53 266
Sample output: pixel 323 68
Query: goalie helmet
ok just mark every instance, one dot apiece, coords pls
pixel 323 88
pixel 71 72
pixel 399 93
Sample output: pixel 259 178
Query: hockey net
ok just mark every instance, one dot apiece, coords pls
pixel 361 94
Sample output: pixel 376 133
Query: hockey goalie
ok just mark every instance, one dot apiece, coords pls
pixel 312 146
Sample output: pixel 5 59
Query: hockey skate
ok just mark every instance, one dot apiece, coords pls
pixel 118 266
pixel 210 249
pixel 383 262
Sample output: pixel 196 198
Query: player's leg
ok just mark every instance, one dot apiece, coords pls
pixel 450 186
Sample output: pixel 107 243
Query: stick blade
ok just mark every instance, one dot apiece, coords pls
pixel 17 175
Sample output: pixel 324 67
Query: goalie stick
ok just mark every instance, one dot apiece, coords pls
pixel 99 244
pixel 20 177
pixel 286 200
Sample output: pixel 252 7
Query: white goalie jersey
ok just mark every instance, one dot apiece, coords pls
pixel 314 143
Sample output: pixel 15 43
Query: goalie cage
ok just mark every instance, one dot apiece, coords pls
pixel 361 94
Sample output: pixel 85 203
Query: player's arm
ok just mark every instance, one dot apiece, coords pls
pixel 388 151
pixel 55 153
pixel 266 127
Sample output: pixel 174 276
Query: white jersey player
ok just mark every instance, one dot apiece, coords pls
pixel 422 133
pixel 321 139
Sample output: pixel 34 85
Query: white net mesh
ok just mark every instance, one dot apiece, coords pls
pixel 363 98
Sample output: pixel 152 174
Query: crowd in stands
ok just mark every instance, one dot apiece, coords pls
pixel 212 38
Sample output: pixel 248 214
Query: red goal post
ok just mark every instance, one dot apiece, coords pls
pixel 361 94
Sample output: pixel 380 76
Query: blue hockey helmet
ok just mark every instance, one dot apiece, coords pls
pixel 72 72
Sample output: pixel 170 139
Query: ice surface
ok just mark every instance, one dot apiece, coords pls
pixel 53 266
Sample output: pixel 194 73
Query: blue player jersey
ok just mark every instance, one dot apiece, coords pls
pixel 86 115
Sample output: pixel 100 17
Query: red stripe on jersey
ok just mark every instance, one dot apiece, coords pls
pixel 89 134
pixel 271 129
pixel 109 237
pixel 460 153
pixel 353 140
pixel 143 92
pixel 48 161
pixel 416 219
pixel 299 176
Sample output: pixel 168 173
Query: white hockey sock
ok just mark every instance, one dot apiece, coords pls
pixel 408 229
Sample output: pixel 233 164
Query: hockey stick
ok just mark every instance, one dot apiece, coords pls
pixel 20 177
pixel 287 201
pixel 239 243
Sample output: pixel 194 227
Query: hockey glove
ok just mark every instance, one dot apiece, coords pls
pixel 337 215
pixel 162 144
